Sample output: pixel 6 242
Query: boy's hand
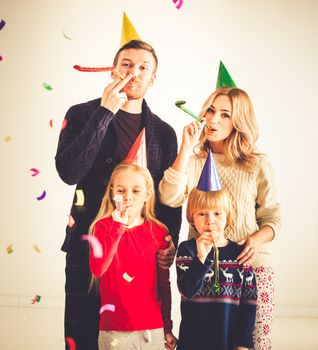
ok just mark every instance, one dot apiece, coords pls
pixel 204 245
pixel 165 256
pixel 170 341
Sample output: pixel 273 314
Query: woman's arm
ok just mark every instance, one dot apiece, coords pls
pixel 173 186
pixel 267 211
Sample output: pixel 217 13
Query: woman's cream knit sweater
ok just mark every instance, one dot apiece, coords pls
pixel 253 197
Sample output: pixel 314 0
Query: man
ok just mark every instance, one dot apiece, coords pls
pixel 97 137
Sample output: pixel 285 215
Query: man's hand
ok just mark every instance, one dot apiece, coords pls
pixel 170 341
pixel 113 98
pixel 165 256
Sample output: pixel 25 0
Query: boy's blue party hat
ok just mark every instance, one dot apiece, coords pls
pixel 209 179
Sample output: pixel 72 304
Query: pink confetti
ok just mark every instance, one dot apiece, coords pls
pixel 43 195
pixel 95 244
pixel 178 3
pixel 93 69
pixel 107 307
pixel 71 343
pixel 64 123
pixel 35 171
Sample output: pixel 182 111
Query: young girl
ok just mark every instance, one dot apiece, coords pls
pixel 248 177
pixel 221 320
pixel 135 292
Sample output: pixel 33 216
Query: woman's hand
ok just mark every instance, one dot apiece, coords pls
pixel 253 243
pixel 170 341
pixel 204 245
pixel 249 253
pixel 191 134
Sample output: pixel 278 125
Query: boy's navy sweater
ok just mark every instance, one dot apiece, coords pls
pixel 211 321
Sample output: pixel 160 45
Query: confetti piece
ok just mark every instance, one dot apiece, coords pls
pixel 36 248
pixel 95 244
pixel 147 336
pixel 47 86
pixel 36 299
pixel 127 277
pixel 178 3
pixel 107 307
pixel 64 123
pixel 79 198
pixel 93 69
pixel 114 342
pixel 1 58
pixel 9 249
pixel 7 138
pixel 2 24
pixel 35 171
pixel 71 343
pixel 66 33
pixel 42 196
pixel 71 221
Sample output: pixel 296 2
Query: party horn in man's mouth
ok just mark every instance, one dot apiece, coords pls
pixel 180 104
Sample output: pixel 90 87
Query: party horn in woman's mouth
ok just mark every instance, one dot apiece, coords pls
pixel 181 104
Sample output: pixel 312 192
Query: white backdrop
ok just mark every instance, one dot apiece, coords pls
pixel 270 50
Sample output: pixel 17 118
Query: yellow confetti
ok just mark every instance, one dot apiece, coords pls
pixel 7 138
pixel 36 248
pixel 127 277
pixel 114 342
pixel 80 199
pixel 10 249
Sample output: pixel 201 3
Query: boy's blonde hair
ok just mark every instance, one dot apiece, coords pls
pixel 240 145
pixel 200 200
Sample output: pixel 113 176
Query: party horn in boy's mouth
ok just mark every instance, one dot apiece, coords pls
pixel 181 104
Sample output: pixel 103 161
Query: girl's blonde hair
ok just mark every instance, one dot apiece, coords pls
pixel 200 200
pixel 108 204
pixel 240 145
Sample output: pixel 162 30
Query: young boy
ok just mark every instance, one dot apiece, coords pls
pixel 218 308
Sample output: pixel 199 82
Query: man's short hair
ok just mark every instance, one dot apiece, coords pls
pixel 139 45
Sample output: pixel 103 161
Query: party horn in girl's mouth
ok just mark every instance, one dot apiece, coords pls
pixel 181 104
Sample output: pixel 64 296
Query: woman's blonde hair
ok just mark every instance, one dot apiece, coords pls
pixel 240 145
pixel 108 205
pixel 200 200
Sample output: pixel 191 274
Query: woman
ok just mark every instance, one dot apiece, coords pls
pixel 246 174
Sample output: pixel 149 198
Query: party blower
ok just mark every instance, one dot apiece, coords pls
pixel 181 104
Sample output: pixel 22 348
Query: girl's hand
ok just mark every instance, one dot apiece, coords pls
pixel 191 134
pixel 120 214
pixel 204 245
pixel 170 341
